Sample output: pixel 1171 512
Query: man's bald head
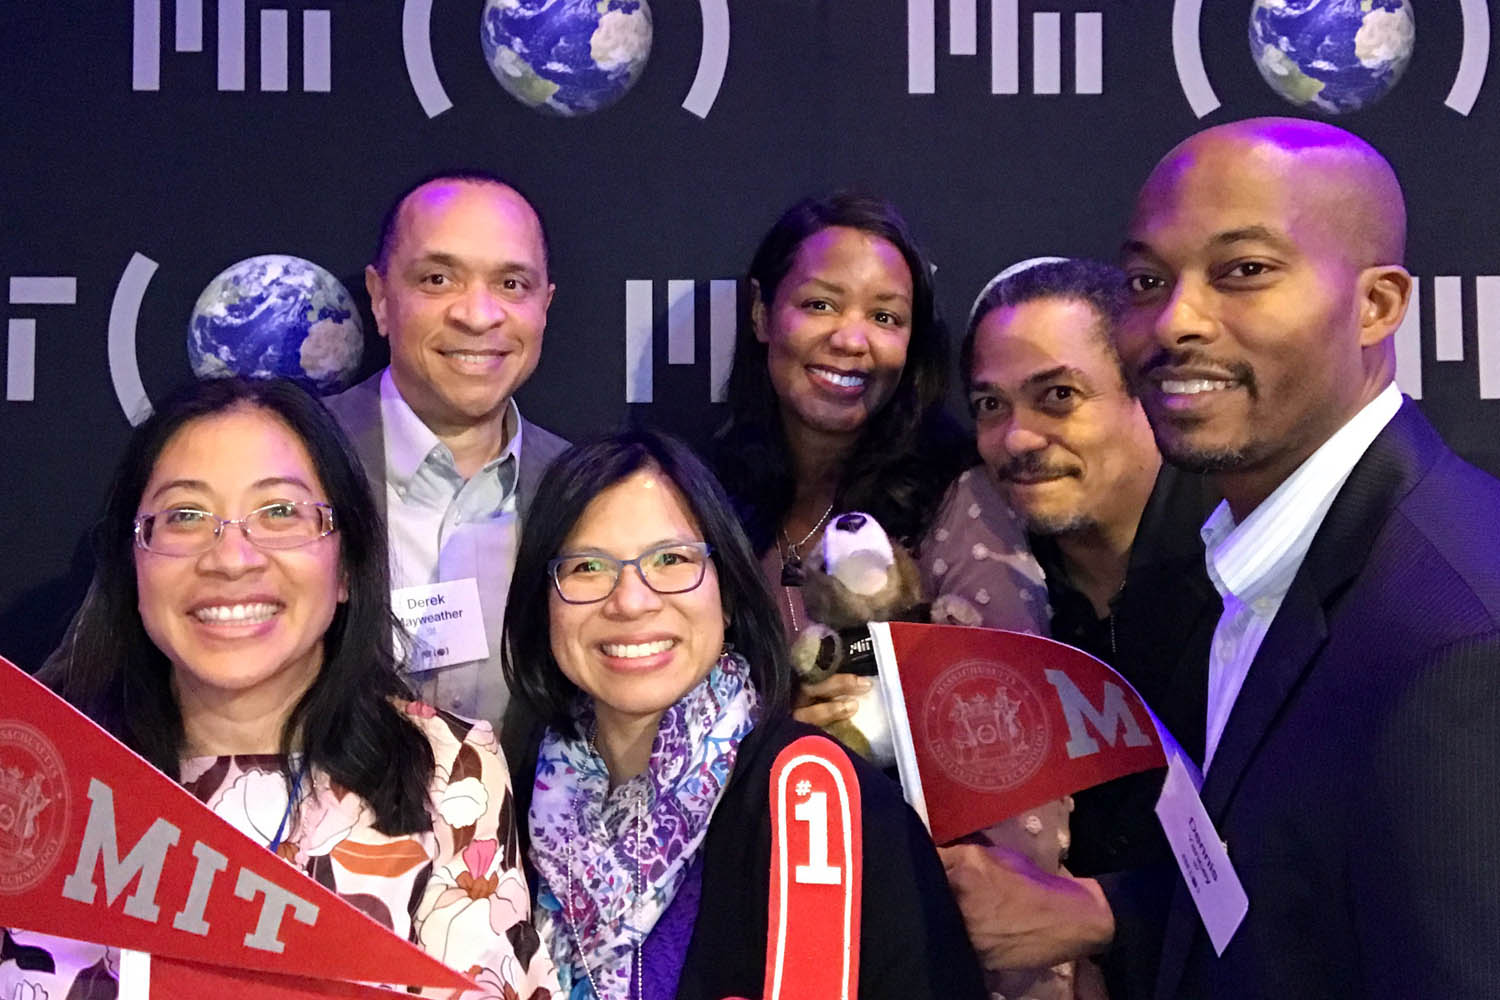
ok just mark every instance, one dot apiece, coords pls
pixel 1264 260
pixel 1340 180
pixel 390 224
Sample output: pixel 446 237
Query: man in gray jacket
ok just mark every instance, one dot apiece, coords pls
pixel 460 288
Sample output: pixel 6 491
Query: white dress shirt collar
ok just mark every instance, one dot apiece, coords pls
pixel 409 442
pixel 1252 564
pixel 1256 559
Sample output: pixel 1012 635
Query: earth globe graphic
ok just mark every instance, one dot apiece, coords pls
pixel 277 315
pixel 1333 55
pixel 566 57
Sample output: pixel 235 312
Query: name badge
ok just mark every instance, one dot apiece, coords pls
pixel 1201 856
pixel 445 620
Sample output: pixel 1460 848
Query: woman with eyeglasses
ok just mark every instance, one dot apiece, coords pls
pixel 237 634
pixel 638 625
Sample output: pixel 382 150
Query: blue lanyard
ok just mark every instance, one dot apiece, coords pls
pixel 287 814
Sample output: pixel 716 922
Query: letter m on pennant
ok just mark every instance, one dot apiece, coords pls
pixel 101 842
pixel 1113 718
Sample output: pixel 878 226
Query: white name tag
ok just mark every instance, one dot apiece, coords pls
pixel 1215 888
pixel 445 620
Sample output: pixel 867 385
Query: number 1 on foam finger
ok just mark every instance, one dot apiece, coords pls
pixel 813 811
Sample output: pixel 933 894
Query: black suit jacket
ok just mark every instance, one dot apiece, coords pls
pixel 1161 624
pixel 1356 781
pixel 1157 637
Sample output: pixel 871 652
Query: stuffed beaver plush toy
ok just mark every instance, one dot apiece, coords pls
pixel 856 576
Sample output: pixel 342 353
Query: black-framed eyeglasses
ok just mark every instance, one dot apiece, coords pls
pixel 190 531
pixel 590 577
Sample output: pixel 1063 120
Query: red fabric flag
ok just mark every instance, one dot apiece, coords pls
pixel 989 723
pixel 172 979
pixel 97 845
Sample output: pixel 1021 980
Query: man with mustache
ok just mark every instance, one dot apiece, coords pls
pixel 460 287
pixel 1115 530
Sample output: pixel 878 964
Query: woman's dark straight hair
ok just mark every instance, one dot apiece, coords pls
pixel 909 450
pixel 345 724
pixel 574 479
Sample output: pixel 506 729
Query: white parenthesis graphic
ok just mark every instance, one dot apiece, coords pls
pixel 1187 53
pixel 781 848
pixel 124 311
pixel 416 46
pixel 713 59
pixel 1475 57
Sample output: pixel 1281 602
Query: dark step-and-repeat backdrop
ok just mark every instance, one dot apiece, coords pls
pixel 153 148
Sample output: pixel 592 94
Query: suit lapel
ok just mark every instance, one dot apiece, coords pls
pixel 1387 470
pixel 539 448
pixel 1298 632
pixel 358 410
pixel 1168 559
pixel 532 463
pixel 1296 635
pixel 1393 463
pixel 1190 676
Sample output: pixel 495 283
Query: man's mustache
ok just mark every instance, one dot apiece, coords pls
pixel 1032 465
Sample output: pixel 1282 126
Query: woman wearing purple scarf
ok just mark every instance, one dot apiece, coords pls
pixel 638 625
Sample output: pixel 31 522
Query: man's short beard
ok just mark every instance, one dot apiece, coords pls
pixel 1177 449
pixel 1048 526
pixel 1207 461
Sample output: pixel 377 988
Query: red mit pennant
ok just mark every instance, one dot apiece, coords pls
pixel 815 874
pixel 97 845
pixel 989 723
pixel 172 978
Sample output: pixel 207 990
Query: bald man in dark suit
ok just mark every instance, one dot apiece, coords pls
pixel 1352 715
pixel 1353 721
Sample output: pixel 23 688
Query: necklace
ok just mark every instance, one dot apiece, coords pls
pixel 791 554
pixel 1113 650
pixel 640 890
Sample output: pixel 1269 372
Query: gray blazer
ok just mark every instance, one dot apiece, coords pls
pixel 358 411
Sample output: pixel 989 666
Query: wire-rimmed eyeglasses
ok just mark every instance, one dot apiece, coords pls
pixel 189 531
pixel 590 577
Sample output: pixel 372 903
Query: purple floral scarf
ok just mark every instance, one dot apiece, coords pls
pixel 594 921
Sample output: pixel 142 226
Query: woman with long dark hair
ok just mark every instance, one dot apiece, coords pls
pixel 839 376
pixel 836 401
pixel 639 627
pixel 237 634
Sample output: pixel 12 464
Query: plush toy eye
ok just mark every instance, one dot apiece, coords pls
pixel 849 522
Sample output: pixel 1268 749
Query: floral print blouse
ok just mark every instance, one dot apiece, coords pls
pixel 458 890
pixel 976 553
